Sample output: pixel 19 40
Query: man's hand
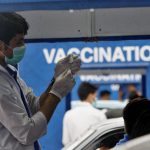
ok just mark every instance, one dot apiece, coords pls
pixel 71 62
pixel 63 84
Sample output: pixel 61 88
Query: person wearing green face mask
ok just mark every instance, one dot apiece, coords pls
pixel 23 116
pixel 18 54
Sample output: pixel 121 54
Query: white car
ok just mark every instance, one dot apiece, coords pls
pixel 94 137
pixel 141 143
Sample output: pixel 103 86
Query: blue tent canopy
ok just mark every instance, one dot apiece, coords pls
pixel 21 5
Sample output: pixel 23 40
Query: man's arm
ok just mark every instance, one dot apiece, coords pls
pixel 62 86
pixel 13 115
pixel 35 103
pixel 70 62
pixel 49 105
pixel 14 118
pixel 44 95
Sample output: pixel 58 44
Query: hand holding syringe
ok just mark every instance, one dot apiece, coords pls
pixel 71 62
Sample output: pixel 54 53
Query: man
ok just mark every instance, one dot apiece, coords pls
pixel 23 116
pixel 105 95
pixel 79 119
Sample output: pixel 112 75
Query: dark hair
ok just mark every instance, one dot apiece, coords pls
pixel 85 89
pixel 132 111
pixel 104 92
pixel 10 25
pixel 8 29
pixel 142 125
pixel 14 17
pixel 132 96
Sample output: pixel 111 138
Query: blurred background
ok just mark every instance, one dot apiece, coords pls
pixel 111 38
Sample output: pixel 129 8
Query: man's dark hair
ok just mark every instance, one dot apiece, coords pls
pixel 14 17
pixel 104 92
pixel 10 25
pixel 85 89
pixel 8 29
pixel 132 112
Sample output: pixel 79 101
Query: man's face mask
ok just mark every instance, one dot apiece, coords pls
pixel 18 54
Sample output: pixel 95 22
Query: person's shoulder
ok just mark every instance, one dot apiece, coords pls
pixel 98 113
pixel 71 113
pixel 68 113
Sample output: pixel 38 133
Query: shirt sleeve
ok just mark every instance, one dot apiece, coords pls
pixel 33 100
pixel 15 119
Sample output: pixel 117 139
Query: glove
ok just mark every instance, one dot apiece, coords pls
pixel 71 62
pixel 63 84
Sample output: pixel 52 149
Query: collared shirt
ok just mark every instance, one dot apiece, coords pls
pixel 18 131
pixel 78 120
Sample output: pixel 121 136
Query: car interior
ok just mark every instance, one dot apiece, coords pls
pixel 108 140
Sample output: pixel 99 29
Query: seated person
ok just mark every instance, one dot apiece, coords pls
pixel 142 125
pixel 136 117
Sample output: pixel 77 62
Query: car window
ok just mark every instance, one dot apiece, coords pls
pixel 110 139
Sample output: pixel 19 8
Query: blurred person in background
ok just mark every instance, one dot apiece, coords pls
pixel 133 95
pixel 136 117
pixel 79 119
pixel 110 113
pixel 120 94
pixel 23 116
pixel 104 95
pixel 127 92
pixel 131 88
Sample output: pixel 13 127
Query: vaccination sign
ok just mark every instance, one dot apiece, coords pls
pixel 40 58
pixel 100 54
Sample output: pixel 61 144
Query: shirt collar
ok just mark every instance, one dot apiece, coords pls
pixel 9 69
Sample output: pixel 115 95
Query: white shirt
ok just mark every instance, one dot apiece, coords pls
pixel 17 130
pixel 78 120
